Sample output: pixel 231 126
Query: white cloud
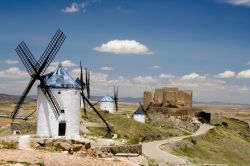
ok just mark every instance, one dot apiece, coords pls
pixel 144 79
pixel 68 63
pixel 124 47
pixel 206 89
pixel 156 67
pixel 193 76
pixel 65 63
pixel 226 74
pixel 73 8
pixel 107 68
pixel 244 74
pixel 76 7
pixel 13 73
pixel 245 3
pixel 10 62
pixel 166 76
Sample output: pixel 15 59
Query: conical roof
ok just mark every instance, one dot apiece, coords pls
pixel 107 99
pixel 139 111
pixel 61 79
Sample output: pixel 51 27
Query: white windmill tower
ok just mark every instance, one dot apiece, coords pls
pixel 67 94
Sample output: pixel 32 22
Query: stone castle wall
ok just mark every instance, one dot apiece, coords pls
pixel 169 96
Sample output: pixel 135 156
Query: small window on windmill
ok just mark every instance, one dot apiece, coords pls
pixel 75 92
pixel 62 111
pixel 59 92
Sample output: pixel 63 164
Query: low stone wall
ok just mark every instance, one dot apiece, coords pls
pixel 76 147
pixel 123 149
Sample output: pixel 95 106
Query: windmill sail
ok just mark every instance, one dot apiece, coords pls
pixel 37 68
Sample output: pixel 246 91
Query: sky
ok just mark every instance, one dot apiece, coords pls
pixel 137 45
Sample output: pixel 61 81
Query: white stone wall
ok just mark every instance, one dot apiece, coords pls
pixel 108 106
pixel 69 101
pixel 139 118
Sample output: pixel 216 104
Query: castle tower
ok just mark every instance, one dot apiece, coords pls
pixel 147 98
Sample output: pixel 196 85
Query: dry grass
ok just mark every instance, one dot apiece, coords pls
pixel 129 129
pixel 223 145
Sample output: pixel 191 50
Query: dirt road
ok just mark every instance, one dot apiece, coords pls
pixel 9 157
pixel 152 149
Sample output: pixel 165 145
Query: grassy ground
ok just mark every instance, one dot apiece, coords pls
pixel 223 145
pixel 129 129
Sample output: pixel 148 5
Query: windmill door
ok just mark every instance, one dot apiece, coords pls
pixel 62 129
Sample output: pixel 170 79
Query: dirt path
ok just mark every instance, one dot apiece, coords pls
pixel 10 157
pixel 152 149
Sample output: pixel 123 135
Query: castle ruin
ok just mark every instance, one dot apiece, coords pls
pixel 168 97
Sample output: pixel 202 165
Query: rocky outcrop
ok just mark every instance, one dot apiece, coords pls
pixel 136 149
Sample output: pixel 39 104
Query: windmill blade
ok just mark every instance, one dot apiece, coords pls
pixel 87 79
pixel 22 98
pixel 27 58
pixel 90 104
pixel 116 98
pixel 82 89
pixel 51 99
pixel 51 51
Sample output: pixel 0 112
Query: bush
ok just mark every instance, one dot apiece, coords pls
pixel 9 145
pixel 204 117
pixel 133 141
pixel 224 124
pixel 193 141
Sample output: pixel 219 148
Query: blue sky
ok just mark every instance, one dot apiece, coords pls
pixel 136 44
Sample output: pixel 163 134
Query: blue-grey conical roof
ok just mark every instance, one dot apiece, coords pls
pixel 107 99
pixel 61 79
pixel 139 111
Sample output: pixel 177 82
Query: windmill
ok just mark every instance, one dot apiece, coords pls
pixel 36 70
pixel 84 98
pixel 116 98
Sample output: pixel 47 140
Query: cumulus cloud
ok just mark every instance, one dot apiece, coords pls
pixel 10 62
pixel 193 76
pixel 166 76
pixel 107 68
pixel 73 8
pixel 206 89
pixel 244 74
pixel 124 47
pixel 65 63
pixel 13 73
pixel 76 7
pixel 156 67
pixel 226 74
pixel 245 3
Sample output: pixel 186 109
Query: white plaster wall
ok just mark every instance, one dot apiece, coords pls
pixel 108 106
pixel 69 100
pixel 139 118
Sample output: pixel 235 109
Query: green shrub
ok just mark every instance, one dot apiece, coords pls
pixel 9 145
pixel 224 124
pixel 204 117
pixel 133 140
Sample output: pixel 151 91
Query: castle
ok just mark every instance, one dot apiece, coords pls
pixel 168 97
